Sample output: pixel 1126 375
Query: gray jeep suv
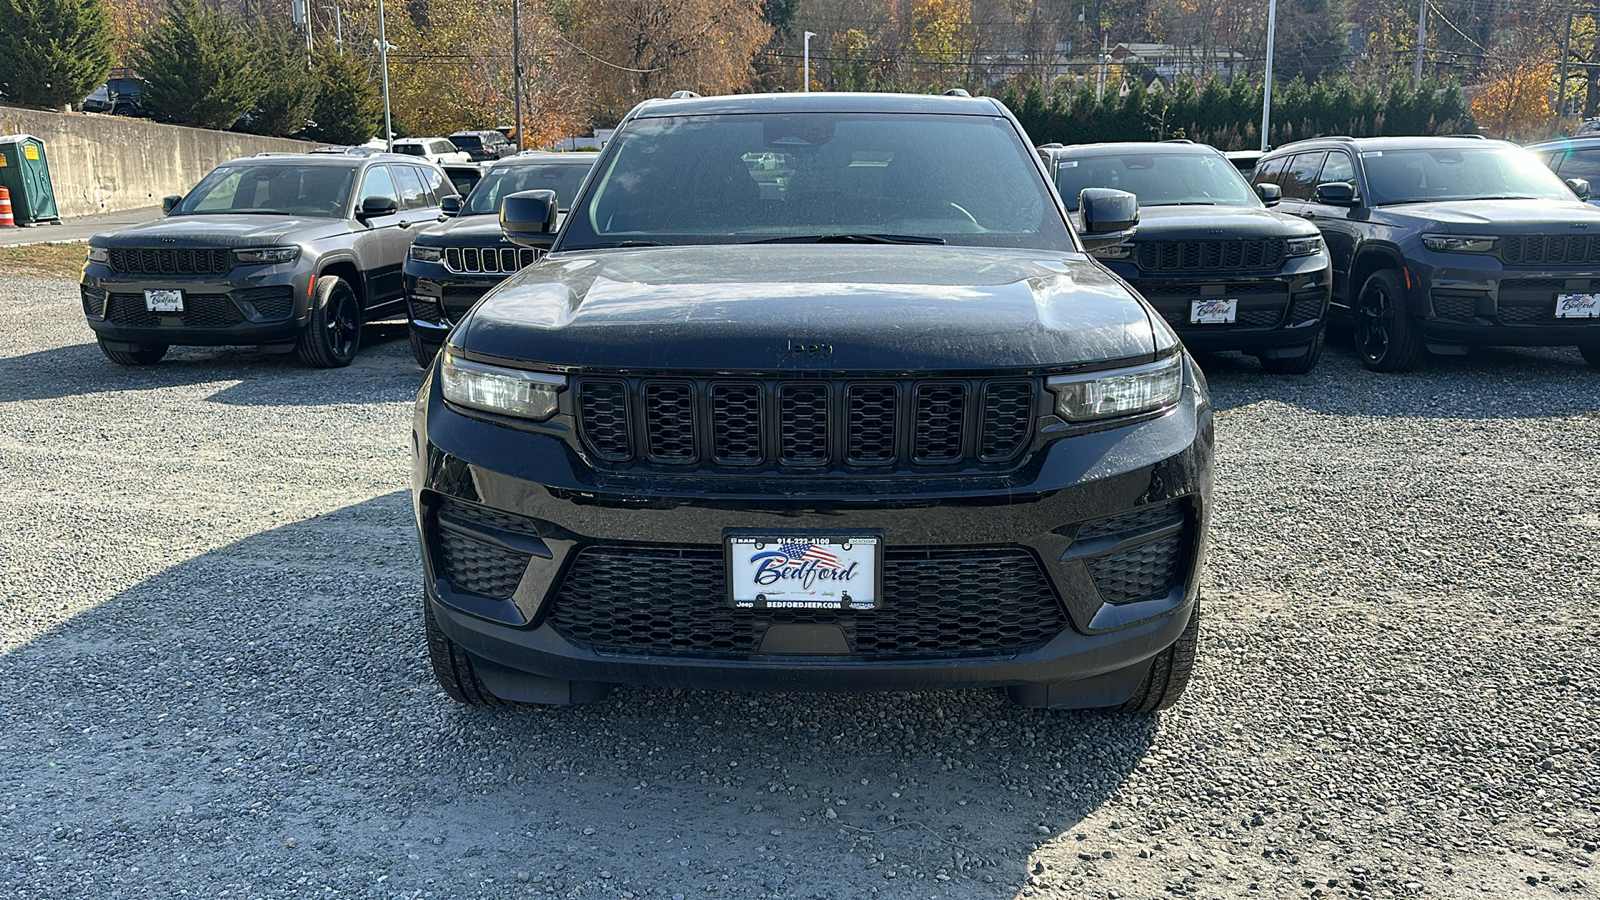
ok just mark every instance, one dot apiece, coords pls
pixel 282 251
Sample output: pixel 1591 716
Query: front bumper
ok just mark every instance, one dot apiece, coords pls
pixel 532 559
pixel 254 305
pixel 1283 309
pixel 437 298
pixel 1465 299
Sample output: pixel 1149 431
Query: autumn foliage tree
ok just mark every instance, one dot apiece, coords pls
pixel 654 47
pixel 53 52
pixel 1516 101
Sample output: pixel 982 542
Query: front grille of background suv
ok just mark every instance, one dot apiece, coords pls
pixel 685 423
pixel 1550 250
pixel 1196 256
pixel 154 261
pixel 489 260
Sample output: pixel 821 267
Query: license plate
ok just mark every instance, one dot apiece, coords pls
pixel 163 301
pixel 1578 306
pixel 775 571
pixel 1214 312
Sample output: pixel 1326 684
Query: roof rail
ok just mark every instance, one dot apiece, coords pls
pixel 1053 145
pixel 956 92
pixel 1177 141
pixel 682 95
pixel 1478 136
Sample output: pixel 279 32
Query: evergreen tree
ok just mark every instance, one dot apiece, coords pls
pixel 53 52
pixel 197 68
pixel 348 109
pixel 290 93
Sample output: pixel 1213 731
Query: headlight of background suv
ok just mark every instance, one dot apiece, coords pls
pixel 100 255
pixel 421 253
pixel 508 392
pixel 1459 243
pixel 1120 392
pixel 258 255
pixel 1305 246
pixel 1115 251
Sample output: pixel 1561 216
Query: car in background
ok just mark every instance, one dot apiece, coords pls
pixel 1575 157
pixel 814 392
pixel 465 176
pixel 483 145
pixel 1245 160
pixel 457 261
pixel 1224 270
pixel 434 150
pixel 283 251
pixel 118 96
pixel 1443 243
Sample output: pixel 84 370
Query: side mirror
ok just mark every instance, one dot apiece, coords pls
pixel 377 207
pixel 167 203
pixel 1580 186
pixel 1270 194
pixel 1109 217
pixel 527 217
pixel 1336 193
pixel 451 205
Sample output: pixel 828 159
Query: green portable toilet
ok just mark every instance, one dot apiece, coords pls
pixel 26 174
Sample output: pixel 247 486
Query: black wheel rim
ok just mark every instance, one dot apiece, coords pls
pixel 343 323
pixel 1373 323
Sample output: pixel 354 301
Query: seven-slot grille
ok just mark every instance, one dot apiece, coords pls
pixel 489 260
pixel 1550 250
pixel 1176 256
pixel 171 262
pixel 685 422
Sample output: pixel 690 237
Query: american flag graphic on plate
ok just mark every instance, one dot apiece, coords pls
pixel 799 553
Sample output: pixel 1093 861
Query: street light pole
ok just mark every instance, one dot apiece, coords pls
pixel 1266 84
pixel 809 36
pixel 1422 42
pixel 516 67
pixel 383 61
pixel 338 24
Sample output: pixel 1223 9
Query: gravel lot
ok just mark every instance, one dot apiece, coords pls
pixel 214 683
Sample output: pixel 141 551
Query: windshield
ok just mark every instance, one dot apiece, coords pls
pixel 1158 179
pixel 719 179
pixel 1459 173
pixel 562 177
pixel 266 189
pixel 466 141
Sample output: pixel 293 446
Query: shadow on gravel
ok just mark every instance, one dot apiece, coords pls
pixel 382 371
pixel 1487 383
pixel 263 715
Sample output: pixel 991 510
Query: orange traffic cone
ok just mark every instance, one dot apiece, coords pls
pixel 7 220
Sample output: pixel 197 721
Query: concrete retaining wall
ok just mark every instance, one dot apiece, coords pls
pixel 102 164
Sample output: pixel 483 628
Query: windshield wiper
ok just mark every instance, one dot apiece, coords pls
pixel 616 244
pixel 1187 203
pixel 852 239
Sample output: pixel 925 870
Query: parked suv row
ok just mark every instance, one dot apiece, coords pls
pixel 289 252
pixel 1441 243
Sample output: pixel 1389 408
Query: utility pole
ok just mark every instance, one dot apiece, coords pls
pixel 1422 42
pixel 383 61
pixel 1566 46
pixel 1100 80
pixel 516 66
pixel 338 23
pixel 807 64
pixel 1266 83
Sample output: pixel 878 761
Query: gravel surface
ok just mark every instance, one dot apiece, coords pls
pixel 214 681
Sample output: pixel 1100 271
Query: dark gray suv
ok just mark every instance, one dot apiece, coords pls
pixel 282 251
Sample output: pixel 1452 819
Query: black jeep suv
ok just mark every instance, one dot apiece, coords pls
pixel 1443 242
pixel 454 263
pixel 1223 270
pixel 483 145
pixel 814 392
pixel 284 251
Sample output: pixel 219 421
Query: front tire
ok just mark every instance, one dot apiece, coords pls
pixel 1386 335
pixel 422 351
pixel 1591 354
pixel 147 356
pixel 452 666
pixel 1169 672
pixel 1296 365
pixel 332 337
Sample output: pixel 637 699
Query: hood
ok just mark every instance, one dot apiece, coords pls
pixel 220 231
pixel 1168 223
pixel 881 308
pixel 1502 216
pixel 466 231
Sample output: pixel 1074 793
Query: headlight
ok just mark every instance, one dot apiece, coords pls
pixel 258 255
pixel 1115 251
pixel 422 253
pixel 1305 246
pixel 100 255
pixel 1459 243
pixel 509 392
pixel 1123 392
